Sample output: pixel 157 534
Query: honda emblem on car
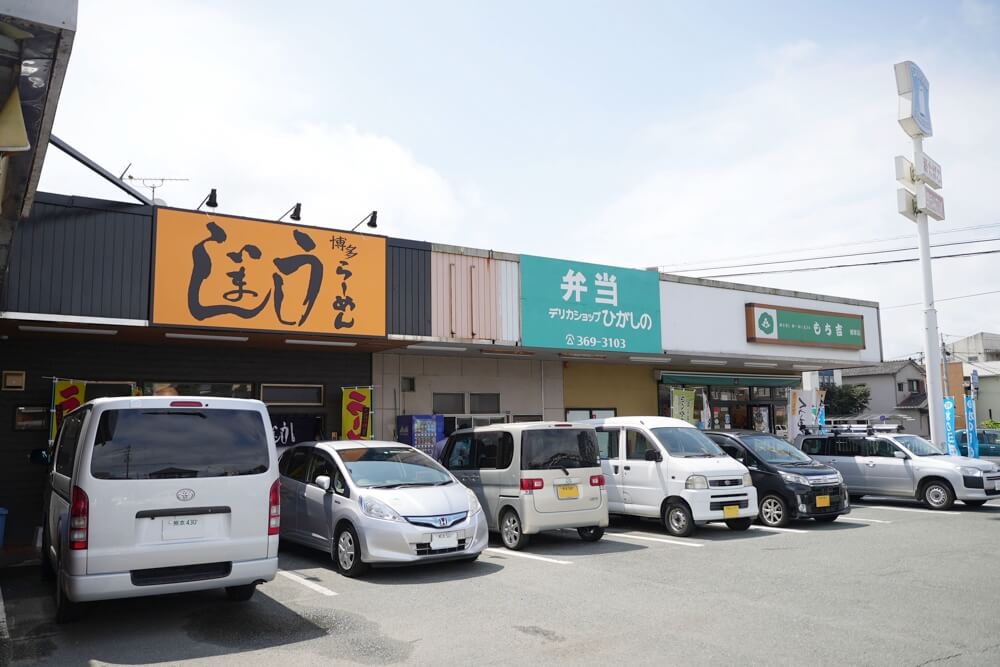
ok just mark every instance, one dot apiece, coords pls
pixel 442 521
pixel 185 495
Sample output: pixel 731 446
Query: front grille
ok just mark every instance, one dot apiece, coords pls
pixel 424 548
pixel 971 482
pixel 438 520
pixel 717 507
pixel 725 482
pixel 823 480
pixel 180 574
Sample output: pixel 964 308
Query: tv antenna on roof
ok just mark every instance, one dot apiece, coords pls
pixel 149 182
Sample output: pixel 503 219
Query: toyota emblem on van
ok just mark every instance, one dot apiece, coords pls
pixel 185 495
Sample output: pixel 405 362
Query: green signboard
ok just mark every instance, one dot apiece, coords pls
pixel 575 305
pixel 782 325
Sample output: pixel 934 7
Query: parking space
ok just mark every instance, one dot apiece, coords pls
pixel 847 591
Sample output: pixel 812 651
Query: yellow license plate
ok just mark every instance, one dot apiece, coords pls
pixel 731 511
pixel 567 491
pixel 822 501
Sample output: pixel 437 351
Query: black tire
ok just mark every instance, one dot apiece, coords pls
pixel 347 552
pixel 773 511
pixel 974 503
pixel 826 519
pixel 66 610
pixel 512 531
pixel 240 593
pixel 48 571
pixel 591 533
pixel 677 519
pixel 739 525
pixel 938 495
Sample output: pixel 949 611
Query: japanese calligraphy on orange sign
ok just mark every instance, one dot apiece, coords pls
pixel 67 395
pixel 356 415
pixel 219 271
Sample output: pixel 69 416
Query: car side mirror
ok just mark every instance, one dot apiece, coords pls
pixel 654 455
pixel 323 482
pixel 40 457
pixel 900 455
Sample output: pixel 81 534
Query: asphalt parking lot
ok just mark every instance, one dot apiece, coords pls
pixel 892 584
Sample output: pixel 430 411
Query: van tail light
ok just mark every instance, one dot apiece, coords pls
pixel 532 484
pixel 79 518
pixel 186 404
pixel 274 508
pixel 597 480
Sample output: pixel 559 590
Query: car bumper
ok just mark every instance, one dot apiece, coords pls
pixel 807 503
pixel 535 522
pixel 90 587
pixel 396 542
pixel 707 504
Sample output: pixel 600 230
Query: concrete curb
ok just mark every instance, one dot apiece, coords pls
pixel 6 650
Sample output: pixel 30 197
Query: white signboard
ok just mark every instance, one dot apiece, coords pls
pixel 931 203
pixel 929 171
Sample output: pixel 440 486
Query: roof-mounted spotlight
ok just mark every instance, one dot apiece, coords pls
pixel 210 200
pixel 372 219
pixel 296 212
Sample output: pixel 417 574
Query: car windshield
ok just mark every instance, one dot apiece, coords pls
pixel 774 450
pixel 918 446
pixel 687 442
pixel 392 468
pixel 558 448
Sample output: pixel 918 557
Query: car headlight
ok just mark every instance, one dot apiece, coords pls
pixel 840 478
pixel 696 482
pixel 474 506
pixel 792 478
pixel 747 480
pixel 376 509
pixel 971 472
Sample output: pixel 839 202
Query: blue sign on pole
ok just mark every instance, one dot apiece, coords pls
pixel 949 426
pixel 970 427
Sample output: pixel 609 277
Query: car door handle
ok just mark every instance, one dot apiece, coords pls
pixel 869 464
pixel 628 467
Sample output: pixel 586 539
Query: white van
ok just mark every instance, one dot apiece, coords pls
pixel 531 477
pixel 666 468
pixel 152 495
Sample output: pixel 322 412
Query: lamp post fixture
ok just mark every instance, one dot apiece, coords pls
pixel 372 219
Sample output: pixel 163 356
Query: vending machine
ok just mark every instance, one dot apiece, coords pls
pixel 420 431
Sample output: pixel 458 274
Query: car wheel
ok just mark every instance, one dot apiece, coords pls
pixel 826 519
pixel 739 525
pixel 48 571
pixel 774 511
pixel 591 534
pixel 240 593
pixel 974 503
pixel 938 495
pixel 66 609
pixel 511 531
pixel 677 520
pixel 347 552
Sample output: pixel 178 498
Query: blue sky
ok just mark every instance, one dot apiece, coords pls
pixel 631 133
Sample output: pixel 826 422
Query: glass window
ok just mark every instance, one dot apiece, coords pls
pixel 484 404
pixel 762 392
pixel 459 453
pixel 636 445
pixel 321 465
pixel 220 389
pixel 816 446
pixel 687 442
pixel 733 451
pixel 392 467
pixel 554 448
pixel 31 418
pixel 847 447
pixel 179 443
pixel 292 394
pixel 339 485
pixel 449 404
pixel 607 443
pixel 918 446
pixel 913 386
pixel 487 449
pixel 881 448
pixel 780 392
pixel 963 438
pixel 900 386
pixel 68 438
pixel 517 419
pixel 773 450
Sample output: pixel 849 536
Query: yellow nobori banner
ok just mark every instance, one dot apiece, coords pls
pixel 356 413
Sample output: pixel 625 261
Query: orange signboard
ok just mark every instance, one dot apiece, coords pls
pixel 220 271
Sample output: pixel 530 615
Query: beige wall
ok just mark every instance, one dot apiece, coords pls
pixel 631 390
pixel 526 387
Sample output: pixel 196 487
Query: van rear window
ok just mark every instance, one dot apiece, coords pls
pixel 547 449
pixel 174 444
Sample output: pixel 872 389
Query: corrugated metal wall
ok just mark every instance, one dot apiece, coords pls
pixel 408 279
pixel 474 296
pixel 84 257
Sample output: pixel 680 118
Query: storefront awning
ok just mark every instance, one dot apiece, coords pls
pixel 721 379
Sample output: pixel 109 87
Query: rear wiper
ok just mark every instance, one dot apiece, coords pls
pixel 700 456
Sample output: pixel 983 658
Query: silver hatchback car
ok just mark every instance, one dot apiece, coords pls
pixel 370 502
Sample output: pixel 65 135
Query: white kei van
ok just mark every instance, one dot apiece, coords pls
pixel 666 468
pixel 151 495
pixel 532 476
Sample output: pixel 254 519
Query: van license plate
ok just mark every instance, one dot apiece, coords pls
pixel 183 527
pixel 567 491
pixel 444 540
pixel 731 511
pixel 822 501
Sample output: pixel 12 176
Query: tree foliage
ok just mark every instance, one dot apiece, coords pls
pixel 989 423
pixel 847 400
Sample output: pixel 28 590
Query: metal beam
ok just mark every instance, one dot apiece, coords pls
pixel 98 169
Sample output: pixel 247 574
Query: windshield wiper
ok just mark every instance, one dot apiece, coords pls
pixel 700 456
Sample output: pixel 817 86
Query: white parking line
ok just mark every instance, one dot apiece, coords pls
pixel 305 582
pixel 520 554
pixel 855 519
pixel 778 530
pixel 633 536
pixel 907 509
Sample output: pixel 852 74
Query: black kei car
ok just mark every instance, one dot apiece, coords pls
pixel 790 485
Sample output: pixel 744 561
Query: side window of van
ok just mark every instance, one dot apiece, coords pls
pixel 848 447
pixel 459 454
pixel 636 445
pixel 963 438
pixel 882 448
pixel 68 438
pixel 493 450
pixel 816 446
pixel 607 443
pixel 298 464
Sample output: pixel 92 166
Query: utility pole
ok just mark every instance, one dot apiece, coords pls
pixel 916 201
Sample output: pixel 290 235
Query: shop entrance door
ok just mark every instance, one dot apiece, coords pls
pixel 760 418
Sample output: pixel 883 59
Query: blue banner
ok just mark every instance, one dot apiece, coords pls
pixel 970 427
pixel 949 426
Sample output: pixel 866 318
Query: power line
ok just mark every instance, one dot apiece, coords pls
pixel 850 254
pixel 845 266
pixel 950 298
pixel 668 267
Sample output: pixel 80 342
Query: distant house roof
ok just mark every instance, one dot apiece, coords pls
pixel 916 401
pixel 885 368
